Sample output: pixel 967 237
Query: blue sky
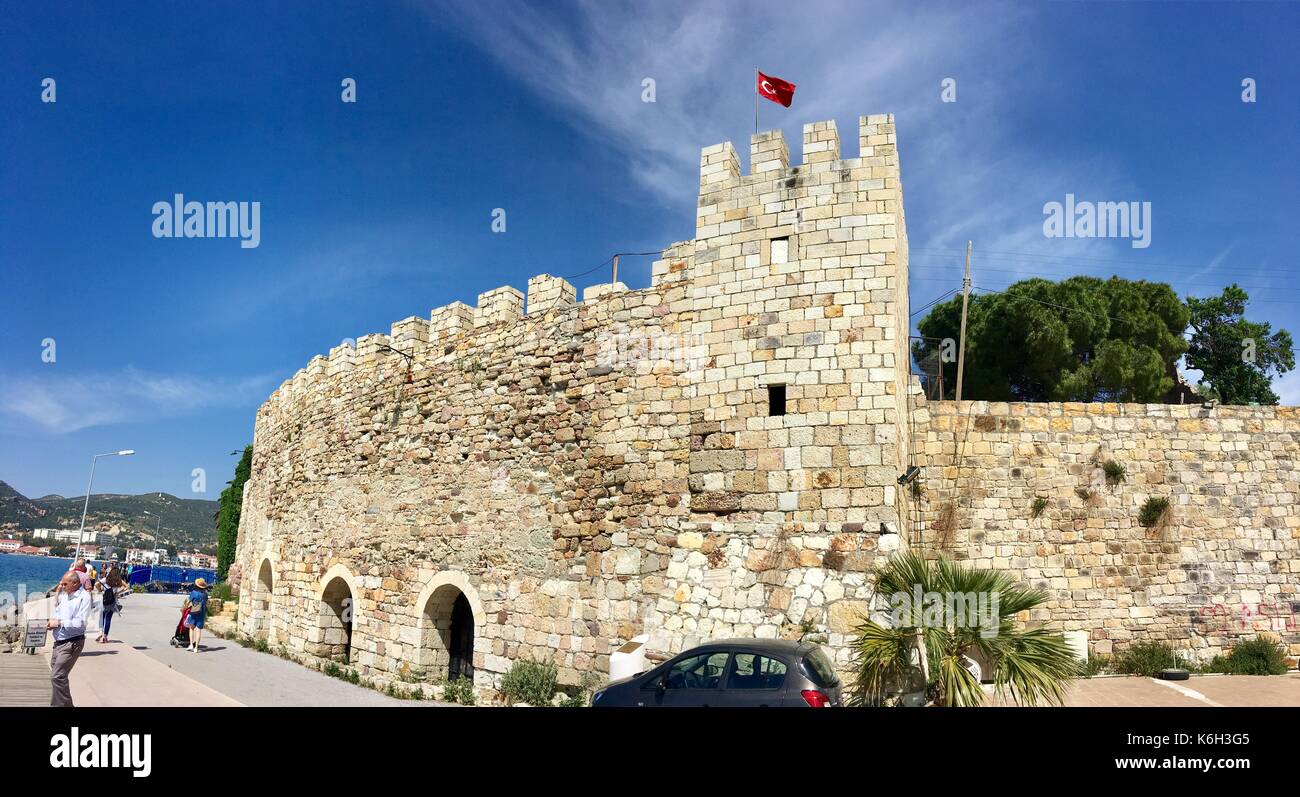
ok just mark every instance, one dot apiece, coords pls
pixel 381 209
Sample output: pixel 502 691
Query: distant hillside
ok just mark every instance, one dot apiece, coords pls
pixel 187 522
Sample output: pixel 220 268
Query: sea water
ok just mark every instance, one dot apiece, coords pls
pixel 27 577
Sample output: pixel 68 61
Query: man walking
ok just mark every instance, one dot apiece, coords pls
pixel 71 610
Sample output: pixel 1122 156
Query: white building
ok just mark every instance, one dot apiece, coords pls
pixel 9 546
pixel 64 535
pixel 139 556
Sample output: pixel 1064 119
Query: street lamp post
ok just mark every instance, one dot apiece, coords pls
pixel 157 529
pixel 82 533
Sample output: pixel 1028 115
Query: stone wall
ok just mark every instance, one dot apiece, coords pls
pixel 1222 566
pixel 582 473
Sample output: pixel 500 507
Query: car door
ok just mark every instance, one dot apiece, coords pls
pixel 754 679
pixel 690 681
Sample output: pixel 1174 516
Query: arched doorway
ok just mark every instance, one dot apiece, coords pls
pixel 263 590
pixel 448 616
pixel 460 647
pixel 336 621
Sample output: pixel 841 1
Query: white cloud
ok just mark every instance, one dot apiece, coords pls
pixel 62 404
pixel 847 60
pixel 968 172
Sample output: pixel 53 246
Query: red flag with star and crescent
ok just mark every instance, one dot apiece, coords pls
pixel 775 89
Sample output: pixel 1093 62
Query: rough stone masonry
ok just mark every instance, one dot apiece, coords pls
pixel 716 455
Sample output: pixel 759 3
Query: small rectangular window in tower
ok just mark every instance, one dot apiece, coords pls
pixel 780 250
pixel 775 400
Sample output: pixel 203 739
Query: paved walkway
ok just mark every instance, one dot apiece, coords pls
pixel 140 668
pixel 1199 690
pixel 24 680
pixel 242 674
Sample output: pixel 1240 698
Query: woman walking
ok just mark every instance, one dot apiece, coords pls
pixel 198 607
pixel 111 586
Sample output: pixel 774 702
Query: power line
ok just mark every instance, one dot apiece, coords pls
pixel 945 295
pixel 1053 304
pixel 1063 307
pixel 588 271
pixel 1137 263
pixel 610 259
pixel 1063 265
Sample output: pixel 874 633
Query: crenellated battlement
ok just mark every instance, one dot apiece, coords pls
pixel 834 212
pixel 449 332
pixel 769 155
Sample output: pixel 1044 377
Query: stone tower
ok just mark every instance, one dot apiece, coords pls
pixel 798 277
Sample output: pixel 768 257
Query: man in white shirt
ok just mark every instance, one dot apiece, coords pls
pixel 71 610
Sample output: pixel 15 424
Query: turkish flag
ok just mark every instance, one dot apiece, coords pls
pixel 775 89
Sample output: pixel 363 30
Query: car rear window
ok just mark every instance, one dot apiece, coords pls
pixel 817 666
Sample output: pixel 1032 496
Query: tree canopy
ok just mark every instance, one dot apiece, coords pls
pixel 1236 356
pixel 1081 339
pixel 232 501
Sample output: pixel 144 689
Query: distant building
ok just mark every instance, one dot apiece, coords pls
pixel 139 556
pixel 32 550
pixel 64 535
pixel 10 546
pixel 196 559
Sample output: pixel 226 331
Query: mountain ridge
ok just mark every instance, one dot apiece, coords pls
pixel 186 522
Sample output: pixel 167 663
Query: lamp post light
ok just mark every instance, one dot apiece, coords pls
pixel 82 533
pixel 157 529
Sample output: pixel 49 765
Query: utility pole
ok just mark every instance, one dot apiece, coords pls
pixel 965 298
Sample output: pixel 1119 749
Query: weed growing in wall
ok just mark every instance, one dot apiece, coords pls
pixel 1040 504
pixel 1154 512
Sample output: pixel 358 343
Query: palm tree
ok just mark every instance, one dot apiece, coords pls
pixel 935 597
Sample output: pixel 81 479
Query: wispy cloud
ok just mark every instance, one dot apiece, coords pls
pixel 348 260
pixel 63 404
pixel 968 173
pixel 591 58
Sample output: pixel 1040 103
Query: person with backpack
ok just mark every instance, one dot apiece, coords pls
pixel 198 603
pixel 111 586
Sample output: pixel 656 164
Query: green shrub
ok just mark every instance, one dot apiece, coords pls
pixel 1040 504
pixel 459 690
pixel 1218 664
pixel 578 700
pixel 1096 665
pixel 1153 511
pixel 223 592
pixel 1144 658
pixel 1114 471
pixel 342 673
pixel 531 682
pixel 1257 657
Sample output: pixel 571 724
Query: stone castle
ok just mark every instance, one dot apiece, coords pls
pixel 719 455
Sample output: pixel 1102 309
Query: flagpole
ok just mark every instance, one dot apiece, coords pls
pixel 755 100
